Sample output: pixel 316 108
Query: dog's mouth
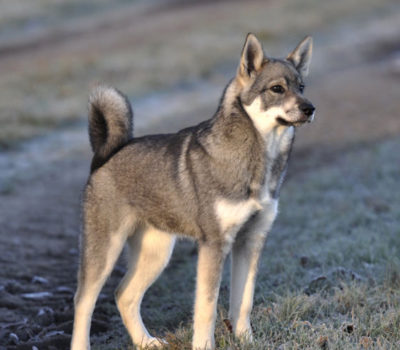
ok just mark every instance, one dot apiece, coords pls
pixel 284 122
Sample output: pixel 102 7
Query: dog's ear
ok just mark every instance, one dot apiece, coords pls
pixel 252 57
pixel 301 56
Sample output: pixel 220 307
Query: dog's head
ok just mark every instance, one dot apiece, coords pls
pixel 271 90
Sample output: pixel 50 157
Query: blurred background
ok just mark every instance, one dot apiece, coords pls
pixel 340 208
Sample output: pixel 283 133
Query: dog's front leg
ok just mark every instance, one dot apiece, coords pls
pixel 246 253
pixel 209 267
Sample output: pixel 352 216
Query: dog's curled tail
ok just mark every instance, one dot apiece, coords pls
pixel 110 123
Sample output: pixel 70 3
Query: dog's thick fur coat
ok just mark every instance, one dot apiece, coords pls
pixel 217 182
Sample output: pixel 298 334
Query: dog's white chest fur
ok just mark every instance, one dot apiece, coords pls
pixel 231 214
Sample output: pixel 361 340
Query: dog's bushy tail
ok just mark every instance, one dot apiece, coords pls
pixel 110 123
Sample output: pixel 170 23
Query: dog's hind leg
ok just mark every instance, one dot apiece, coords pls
pixel 99 252
pixel 245 257
pixel 209 268
pixel 151 250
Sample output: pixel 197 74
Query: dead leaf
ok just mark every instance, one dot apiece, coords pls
pixel 365 342
pixel 323 342
pixel 228 325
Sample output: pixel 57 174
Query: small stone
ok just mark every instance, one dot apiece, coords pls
pixel 45 310
pixel 37 295
pixel 34 348
pixel 53 333
pixel 39 280
pixel 13 338
pixel 64 289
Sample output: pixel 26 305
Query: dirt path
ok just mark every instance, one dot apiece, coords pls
pixel 39 217
pixel 39 224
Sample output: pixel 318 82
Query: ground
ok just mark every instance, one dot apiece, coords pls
pixel 330 274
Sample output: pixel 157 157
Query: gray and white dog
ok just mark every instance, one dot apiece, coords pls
pixel 217 182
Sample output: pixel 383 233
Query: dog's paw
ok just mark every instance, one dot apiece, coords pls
pixel 246 337
pixel 244 332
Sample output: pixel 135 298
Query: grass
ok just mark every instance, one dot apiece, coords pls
pixel 330 273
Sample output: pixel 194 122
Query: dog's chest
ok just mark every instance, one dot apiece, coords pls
pixel 232 214
pixel 278 147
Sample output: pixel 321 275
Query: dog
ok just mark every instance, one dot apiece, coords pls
pixel 217 182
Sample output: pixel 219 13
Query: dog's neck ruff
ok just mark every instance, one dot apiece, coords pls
pixel 278 140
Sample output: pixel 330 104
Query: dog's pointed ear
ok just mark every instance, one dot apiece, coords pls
pixel 252 57
pixel 301 56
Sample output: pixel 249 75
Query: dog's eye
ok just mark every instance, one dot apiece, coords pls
pixel 278 89
pixel 301 88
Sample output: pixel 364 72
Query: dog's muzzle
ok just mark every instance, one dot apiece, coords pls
pixel 306 116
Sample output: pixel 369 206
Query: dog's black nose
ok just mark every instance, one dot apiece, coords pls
pixel 307 108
